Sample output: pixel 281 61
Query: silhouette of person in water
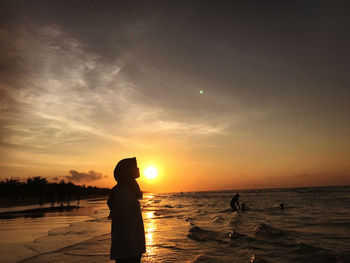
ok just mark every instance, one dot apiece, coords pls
pixel 234 203
pixel 128 235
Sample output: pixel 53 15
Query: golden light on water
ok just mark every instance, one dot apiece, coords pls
pixel 150 228
pixel 151 172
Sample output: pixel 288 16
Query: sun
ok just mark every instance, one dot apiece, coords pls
pixel 151 172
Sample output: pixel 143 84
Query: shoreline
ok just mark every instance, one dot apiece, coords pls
pixel 35 212
pixel 10 204
pixel 35 209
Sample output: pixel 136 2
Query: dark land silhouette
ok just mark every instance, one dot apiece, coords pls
pixel 37 190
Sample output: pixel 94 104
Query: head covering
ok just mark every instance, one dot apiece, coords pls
pixel 125 173
pixel 126 169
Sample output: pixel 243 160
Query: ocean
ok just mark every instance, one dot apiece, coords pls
pixel 195 227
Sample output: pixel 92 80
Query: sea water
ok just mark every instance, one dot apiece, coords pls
pixel 196 227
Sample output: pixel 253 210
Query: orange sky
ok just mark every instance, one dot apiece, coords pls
pixel 80 91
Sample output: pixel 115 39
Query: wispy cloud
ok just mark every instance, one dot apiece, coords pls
pixel 189 128
pixel 65 91
pixel 65 94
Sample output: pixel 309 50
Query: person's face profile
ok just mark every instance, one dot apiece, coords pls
pixel 135 172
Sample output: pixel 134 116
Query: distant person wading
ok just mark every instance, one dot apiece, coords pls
pixel 235 203
pixel 128 235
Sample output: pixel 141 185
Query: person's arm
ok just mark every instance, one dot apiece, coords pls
pixel 238 205
pixel 109 202
pixel 110 197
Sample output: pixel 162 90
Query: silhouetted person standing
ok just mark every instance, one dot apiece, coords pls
pixel 234 203
pixel 128 235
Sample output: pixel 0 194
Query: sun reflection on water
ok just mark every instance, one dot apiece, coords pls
pixel 150 228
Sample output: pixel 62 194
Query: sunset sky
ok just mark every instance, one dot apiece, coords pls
pixel 84 84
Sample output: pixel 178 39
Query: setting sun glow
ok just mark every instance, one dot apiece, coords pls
pixel 151 172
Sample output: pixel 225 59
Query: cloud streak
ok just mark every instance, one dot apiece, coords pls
pixel 66 94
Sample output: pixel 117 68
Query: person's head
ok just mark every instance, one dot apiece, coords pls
pixel 126 170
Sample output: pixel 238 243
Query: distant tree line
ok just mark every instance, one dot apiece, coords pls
pixel 38 190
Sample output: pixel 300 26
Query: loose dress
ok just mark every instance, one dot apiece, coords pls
pixel 128 235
